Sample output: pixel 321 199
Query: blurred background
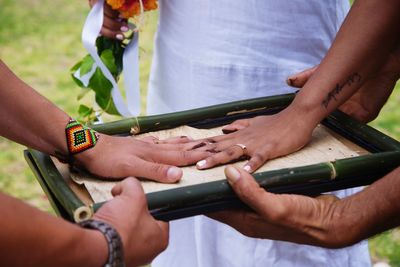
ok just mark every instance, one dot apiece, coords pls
pixel 40 42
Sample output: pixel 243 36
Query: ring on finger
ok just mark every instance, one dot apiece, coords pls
pixel 243 147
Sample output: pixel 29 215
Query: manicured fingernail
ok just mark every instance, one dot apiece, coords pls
pixel 247 168
pixel 232 174
pixel 201 163
pixel 119 37
pixel 174 173
pixel 124 29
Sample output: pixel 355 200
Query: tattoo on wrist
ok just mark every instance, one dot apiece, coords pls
pixel 353 78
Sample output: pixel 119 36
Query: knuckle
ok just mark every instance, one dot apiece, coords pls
pixel 230 152
pixel 257 159
pixel 278 214
pixel 159 169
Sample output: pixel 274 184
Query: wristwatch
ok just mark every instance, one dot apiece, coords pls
pixel 115 248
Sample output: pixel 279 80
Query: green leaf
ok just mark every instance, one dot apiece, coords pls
pixel 100 84
pixel 84 110
pixel 73 70
pixel 107 104
pixel 108 59
pixel 77 81
pixel 87 64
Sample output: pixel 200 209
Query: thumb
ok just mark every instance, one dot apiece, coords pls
pixel 246 188
pixel 298 80
pixel 128 187
pixel 271 207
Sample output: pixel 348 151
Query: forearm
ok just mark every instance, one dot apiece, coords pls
pixel 366 38
pixel 33 238
pixel 369 212
pixel 27 117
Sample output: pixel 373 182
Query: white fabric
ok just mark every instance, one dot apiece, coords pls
pixel 90 32
pixel 208 52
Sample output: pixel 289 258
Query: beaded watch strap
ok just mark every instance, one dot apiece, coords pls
pixel 115 248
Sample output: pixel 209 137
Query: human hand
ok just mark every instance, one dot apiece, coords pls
pixel 142 236
pixel 366 103
pixel 264 138
pixel 114 27
pixel 293 218
pixel 119 157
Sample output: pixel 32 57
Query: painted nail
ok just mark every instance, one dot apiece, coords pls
pixel 247 168
pixel 124 29
pixel 232 174
pixel 201 163
pixel 174 173
pixel 119 37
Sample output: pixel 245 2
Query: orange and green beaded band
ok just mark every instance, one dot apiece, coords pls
pixel 79 137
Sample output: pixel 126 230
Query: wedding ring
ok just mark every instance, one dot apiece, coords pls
pixel 243 147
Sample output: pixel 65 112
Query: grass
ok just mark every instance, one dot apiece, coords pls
pixel 40 41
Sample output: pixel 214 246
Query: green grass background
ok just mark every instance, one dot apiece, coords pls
pixel 40 41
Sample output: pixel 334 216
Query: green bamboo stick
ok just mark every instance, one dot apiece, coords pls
pixel 56 183
pixel 361 131
pixel 372 165
pixel 170 120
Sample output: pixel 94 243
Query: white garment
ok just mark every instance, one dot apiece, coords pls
pixel 208 52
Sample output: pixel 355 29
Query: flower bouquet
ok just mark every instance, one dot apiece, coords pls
pixel 101 69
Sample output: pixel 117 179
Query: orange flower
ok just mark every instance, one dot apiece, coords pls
pixel 131 8
pixel 115 4
pixel 150 5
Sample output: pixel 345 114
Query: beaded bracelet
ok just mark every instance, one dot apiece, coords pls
pixel 79 138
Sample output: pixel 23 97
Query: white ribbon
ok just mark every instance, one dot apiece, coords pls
pixel 90 32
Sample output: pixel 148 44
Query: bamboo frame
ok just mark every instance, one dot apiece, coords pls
pixel 196 199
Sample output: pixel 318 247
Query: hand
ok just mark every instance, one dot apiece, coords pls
pixel 264 138
pixel 113 26
pixel 367 102
pixel 119 157
pixel 142 236
pixel 294 218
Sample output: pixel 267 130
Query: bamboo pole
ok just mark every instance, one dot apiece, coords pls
pixel 144 124
pixel 362 134
pixel 76 209
pixel 372 165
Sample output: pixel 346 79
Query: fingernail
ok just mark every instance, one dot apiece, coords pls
pixel 247 168
pixel 290 80
pixel 124 29
pixel 174 173
pixel 187 137
pixel 201 163
pixel 119 37
pixel 232 174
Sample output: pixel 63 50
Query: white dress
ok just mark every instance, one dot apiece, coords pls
pixel 209 52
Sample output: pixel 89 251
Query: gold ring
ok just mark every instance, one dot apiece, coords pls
pixel 243 147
